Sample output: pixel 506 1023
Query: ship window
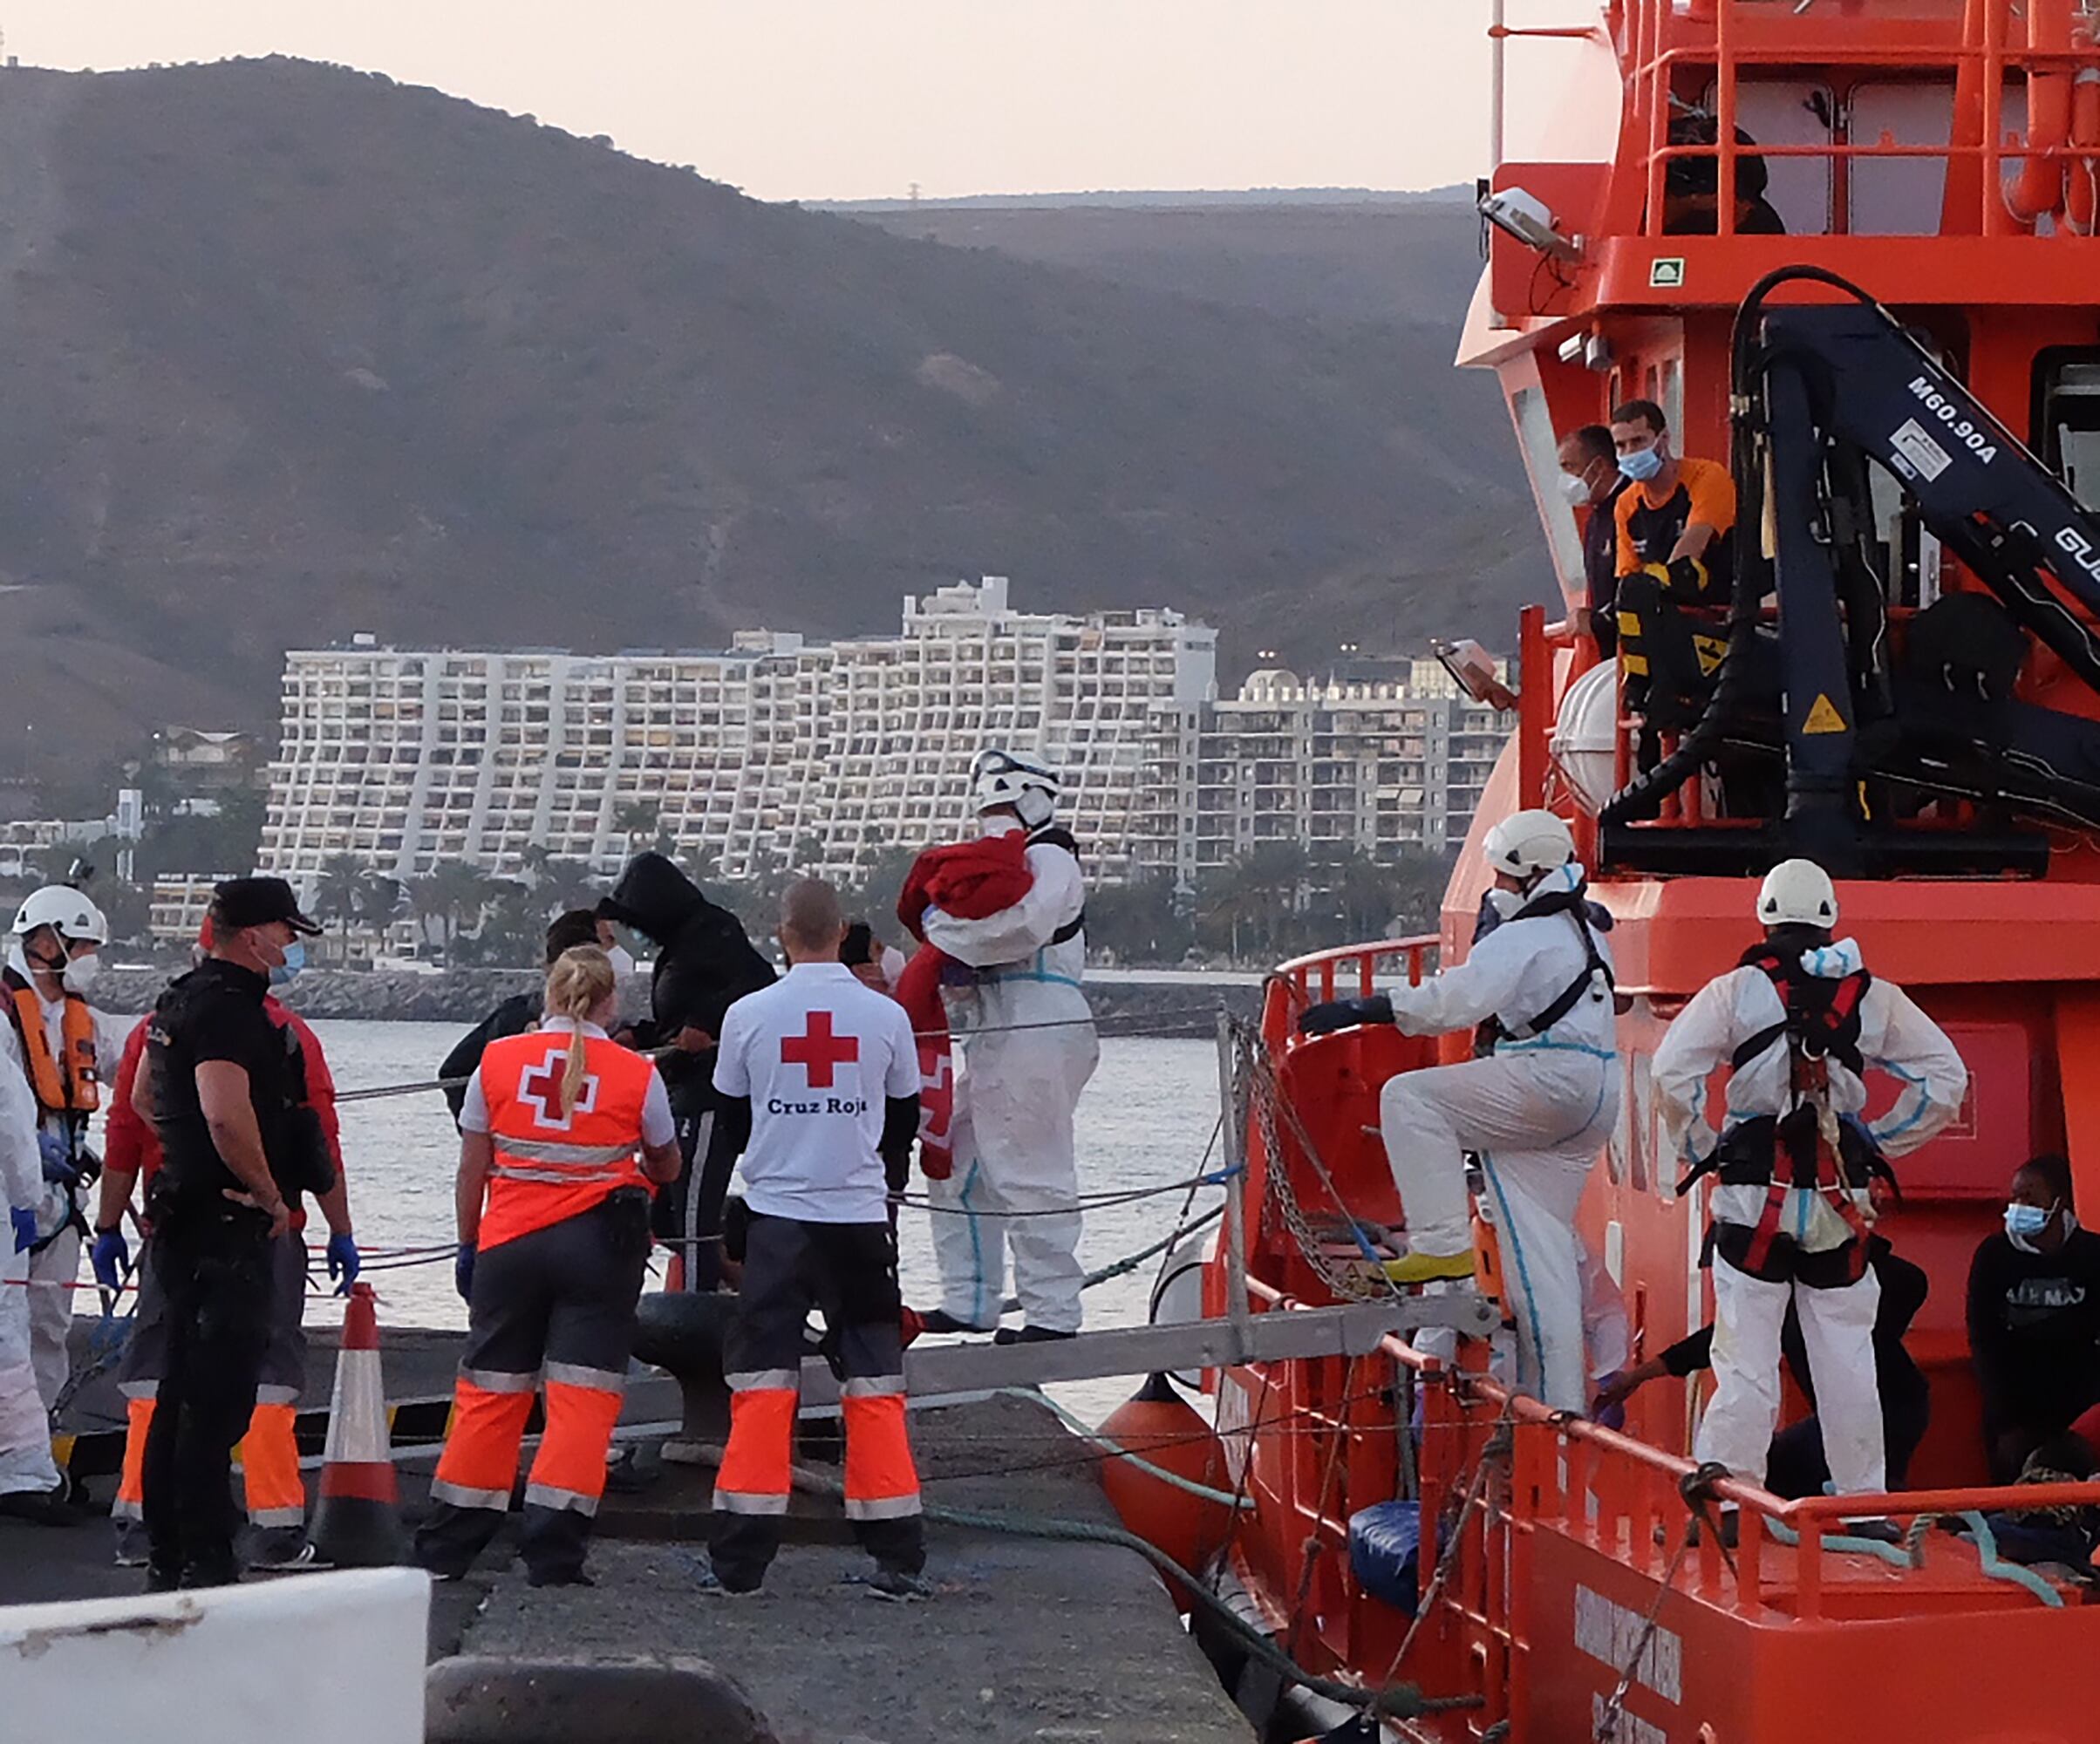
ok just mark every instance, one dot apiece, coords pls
pixel 1669 396
pixel 1785 112
pixel 1893 196
pixel 1541 446
pixel 2067 419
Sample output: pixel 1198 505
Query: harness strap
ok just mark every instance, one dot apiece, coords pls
pixel 1757 1045
pixel 1574 904
pixel 1761 1237
pixel 1056 835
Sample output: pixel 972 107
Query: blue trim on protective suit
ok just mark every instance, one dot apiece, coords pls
pixel 976 1247
pixel 1505 1225
pixel 1916 1114
pixel 1536 1043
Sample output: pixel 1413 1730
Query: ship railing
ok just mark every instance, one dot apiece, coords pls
pixel 1997 185
pixel 1631 1497
pixel 1349 971
pixel 1661 38
pixel 1546 1472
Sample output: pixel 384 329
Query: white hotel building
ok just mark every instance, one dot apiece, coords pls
pixel 404 758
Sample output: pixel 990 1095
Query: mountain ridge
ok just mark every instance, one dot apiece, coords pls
pixel 298 352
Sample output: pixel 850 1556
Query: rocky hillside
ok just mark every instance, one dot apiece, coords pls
pixel 292 351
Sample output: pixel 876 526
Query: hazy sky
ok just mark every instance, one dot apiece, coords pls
pixel 848 98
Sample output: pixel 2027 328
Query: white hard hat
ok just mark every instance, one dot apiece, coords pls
pixel 66 910
pixel 1797 892
pixel 998 777
pixel 1526 843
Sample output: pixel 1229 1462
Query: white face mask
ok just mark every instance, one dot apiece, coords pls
pixel 1575 488
pixel 80 973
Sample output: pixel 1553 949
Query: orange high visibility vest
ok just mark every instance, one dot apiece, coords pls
pixel 548 1168
pixel 63 1086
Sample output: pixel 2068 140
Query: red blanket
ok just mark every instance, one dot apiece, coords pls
pixel 969 880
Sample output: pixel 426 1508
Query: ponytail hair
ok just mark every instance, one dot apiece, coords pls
pixel 580 981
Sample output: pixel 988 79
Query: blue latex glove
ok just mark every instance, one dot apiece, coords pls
pixel 462 1272
pixel 23 1224
pixel 60 1168
pixel 109 1257
pixel 343 1261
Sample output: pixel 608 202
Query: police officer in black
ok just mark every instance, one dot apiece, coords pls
pixel 227 1085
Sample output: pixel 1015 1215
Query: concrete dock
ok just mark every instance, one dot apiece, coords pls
pixel 1028 1640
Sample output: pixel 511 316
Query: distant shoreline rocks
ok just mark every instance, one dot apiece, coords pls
pixel 465 996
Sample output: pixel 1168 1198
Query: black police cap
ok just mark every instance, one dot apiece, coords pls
pixel 257 901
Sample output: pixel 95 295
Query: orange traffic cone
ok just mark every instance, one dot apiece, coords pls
pixel 358 1524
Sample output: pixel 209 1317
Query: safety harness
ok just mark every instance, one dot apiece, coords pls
pixel 1596 980
pixel 66 1086
pixel 1056 835
pixel 1808 1148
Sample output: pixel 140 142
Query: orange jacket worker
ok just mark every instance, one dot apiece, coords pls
pixel 562 1132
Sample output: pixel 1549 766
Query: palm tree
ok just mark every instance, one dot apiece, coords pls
pixel 455 895
pixel 344 894
pixel 567 884
pixel 383 900
pixel 637 821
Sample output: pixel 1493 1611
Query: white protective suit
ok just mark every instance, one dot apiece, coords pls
pixel 54 1271
pixel 1026 1042
pixel 1536 1112
pixel 1837 1325
pixel 25 1444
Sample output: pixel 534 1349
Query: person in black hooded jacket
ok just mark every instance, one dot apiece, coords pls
pixel 705 963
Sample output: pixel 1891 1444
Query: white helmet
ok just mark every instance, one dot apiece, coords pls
pixel 1526 843
pixel 1797 892
pixel 66 910
pixel 1001 779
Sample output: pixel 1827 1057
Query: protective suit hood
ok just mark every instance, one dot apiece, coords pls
pixel 1835 961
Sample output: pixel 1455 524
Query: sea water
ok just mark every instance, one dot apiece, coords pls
pixel 1147 1119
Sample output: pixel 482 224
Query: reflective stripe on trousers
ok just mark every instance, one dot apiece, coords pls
pixel 269 1466
pixel 269 1456
pixel 582 1405
pixel 479 1462
pixel 489 1412
pixel 882 1481
pixel 756 1476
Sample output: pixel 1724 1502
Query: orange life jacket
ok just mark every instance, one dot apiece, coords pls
pixel 548 1168
pixel 66 1084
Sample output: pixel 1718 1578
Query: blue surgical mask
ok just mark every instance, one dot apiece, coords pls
pixel 295 960
pixel 2028 1221
pixel 1642 464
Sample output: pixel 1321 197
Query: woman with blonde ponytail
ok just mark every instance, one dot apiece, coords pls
pixel 582 988
pixel 562 1132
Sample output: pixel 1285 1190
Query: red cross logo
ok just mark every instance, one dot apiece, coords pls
pixel 540 1087
pixel 817 1051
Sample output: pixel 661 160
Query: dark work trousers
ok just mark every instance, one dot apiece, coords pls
pixel 688 1216
pixel 1796 1467
pixel 849 1272
pixel 553 1309
pixel 214 1269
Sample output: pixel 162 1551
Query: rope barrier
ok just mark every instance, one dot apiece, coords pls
pixel 1083 1202
pixel 1164 1026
